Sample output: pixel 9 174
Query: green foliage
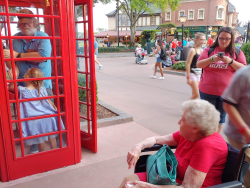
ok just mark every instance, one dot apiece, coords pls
pixel 108 49
pixel 128 42
pixel 246 50
pixel 179 66
pixel 146 35
pixel 167 27
pixel 82 93
pixel 185 31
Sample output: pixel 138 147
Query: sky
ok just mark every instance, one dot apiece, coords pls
pixel 101 20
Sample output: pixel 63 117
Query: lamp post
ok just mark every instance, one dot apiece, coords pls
pixel 126 39
pixel 245 31
pixel 183 19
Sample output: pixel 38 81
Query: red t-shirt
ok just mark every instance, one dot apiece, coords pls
pixel 173 45
pixel 217 75
pixel 179 43
pixel 210 41
pixel 208 155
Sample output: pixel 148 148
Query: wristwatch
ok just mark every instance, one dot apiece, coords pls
pixel 19 55
pixel 231 62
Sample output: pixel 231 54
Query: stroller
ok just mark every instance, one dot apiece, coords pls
pixel 140 58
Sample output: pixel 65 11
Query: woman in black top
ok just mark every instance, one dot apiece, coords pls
pixel 193 73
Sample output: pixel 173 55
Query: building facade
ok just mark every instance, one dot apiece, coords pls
pixel 201 14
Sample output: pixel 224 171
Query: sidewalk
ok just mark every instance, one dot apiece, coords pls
pixel 115 54
pixel 105 169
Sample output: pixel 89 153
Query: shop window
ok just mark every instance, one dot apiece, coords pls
pixel 201 14
pixel 235 19
pixel 220 13
pixel 129 23
pixel 168 16
pixel 190 14
pixel 120 21
pixel 152 20
pixel 124 21
pixel 180 13
pixel 144 21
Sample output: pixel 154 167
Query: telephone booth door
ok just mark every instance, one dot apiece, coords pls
pixel 34 140
pixel 86 72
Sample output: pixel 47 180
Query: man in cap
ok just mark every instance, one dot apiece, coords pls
pixel 31 48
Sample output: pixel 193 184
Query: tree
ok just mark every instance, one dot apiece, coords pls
pixel 99 30
pixel 166 28
pixel 134 8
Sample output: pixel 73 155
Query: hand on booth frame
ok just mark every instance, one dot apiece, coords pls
pixel 7 53
pixel 133 156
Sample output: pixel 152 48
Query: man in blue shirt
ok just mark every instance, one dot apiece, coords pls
pixel 96 53
pixel 31 48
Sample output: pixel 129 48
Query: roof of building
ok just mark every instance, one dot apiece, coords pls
pixel 231 7
pixel 155 10
pixel 146 28
pixel 241 30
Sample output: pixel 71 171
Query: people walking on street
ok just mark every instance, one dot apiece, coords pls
pixel 193 73
pixel 191 43
pixel 158 63
pixel 236 102
pixel 96 53
pixel 219 62
pixel 210 41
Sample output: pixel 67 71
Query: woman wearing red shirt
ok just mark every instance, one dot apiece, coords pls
pixel 201 152
pixel 217 71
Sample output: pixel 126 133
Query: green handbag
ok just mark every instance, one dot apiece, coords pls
pixel 161 167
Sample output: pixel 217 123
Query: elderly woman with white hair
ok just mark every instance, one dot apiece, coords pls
pixel 201 151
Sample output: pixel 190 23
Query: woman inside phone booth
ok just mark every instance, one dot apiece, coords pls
pixel 219 62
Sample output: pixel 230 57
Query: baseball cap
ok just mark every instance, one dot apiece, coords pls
pixel 24 19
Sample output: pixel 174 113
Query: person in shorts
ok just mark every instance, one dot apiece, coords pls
pixel 158 63
pixel 96 53
pixel 193 73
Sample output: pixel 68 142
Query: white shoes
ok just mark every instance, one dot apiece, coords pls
pixel 161 78
pixel 153 77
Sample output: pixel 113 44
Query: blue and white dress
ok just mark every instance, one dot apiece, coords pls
pixel 37 108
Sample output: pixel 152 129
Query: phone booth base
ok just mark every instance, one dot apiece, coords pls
pixel 34 140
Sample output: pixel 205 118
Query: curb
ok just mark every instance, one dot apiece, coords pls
pixel 121 118
pixel 173 72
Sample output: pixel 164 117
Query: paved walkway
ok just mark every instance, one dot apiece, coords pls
pixel 116 54
pixel 156 108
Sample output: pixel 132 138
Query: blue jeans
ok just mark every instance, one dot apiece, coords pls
pixel 217 102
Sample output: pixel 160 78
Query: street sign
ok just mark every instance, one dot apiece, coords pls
pixel 179 33
pixel 158 33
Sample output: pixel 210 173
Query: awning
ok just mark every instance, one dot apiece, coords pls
pixel 114 34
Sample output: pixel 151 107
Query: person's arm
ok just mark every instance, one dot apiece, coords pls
pixel 134 154
pixel 235 65
pixel 158 49
pixel 95 50
pixel 191 54
pixel 237 120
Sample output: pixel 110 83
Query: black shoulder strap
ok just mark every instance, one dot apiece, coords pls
pixel 210 51
pixel 237 52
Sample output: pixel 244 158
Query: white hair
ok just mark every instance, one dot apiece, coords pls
pixel 209 35
pixel 203 114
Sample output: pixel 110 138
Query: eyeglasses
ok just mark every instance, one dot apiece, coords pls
pixel 23 24
pixel 226 39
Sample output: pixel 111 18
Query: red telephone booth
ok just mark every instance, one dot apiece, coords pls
pixel 68 28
